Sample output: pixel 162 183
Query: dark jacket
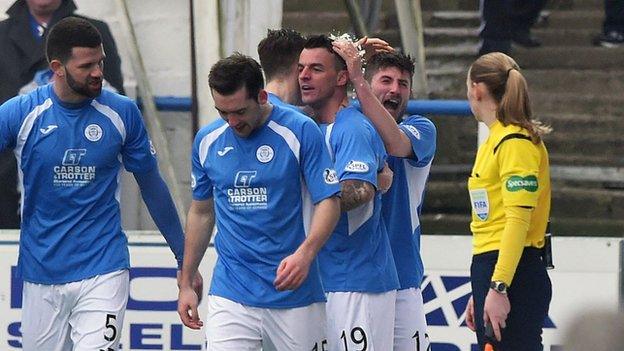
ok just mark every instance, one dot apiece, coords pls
pixel 20 57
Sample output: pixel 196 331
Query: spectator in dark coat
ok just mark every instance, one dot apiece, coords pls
pixel 23 64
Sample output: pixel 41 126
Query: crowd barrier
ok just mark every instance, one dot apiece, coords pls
pixel 414 107
pixel 587 277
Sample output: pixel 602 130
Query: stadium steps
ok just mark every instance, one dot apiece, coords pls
pixel 580 82
pixel 561 57
pixel 469 35
pixel 575 87
pixel 559 19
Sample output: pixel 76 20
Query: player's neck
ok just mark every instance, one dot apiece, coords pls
pixel 326 113
pixel 66 94
pixel 284 91
pixel 265 110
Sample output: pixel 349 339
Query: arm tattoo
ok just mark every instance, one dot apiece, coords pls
pixel 354 194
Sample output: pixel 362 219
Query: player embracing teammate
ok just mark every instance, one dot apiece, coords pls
pixel 367 242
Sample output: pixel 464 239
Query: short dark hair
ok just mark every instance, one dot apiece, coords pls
pixel 69 33
pixel 233 72
pixel 384 60
pixel 279 50
pixel 323 41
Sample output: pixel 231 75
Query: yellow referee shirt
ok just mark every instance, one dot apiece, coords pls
pixel 509 171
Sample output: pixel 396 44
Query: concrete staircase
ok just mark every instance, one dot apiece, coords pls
pixel 575 87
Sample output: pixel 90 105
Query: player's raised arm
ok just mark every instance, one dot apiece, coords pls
pixel 395 141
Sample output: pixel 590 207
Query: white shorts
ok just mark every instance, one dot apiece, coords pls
pixel 410 326
pixel 80 316
pixel 360 321
pixel 231 326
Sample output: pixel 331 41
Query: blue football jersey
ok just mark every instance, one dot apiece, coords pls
pixel 403 201
pixel 357 257
pixel 69 162
pixel 264 187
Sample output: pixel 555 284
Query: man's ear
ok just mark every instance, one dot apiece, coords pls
pixel 263 97
pixel 342 78
pixel 57 67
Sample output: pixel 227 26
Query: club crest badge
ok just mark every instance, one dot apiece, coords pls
pixel 265 153
pixel 93 132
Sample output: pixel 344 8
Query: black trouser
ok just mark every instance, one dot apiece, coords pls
pixel 501 18
pixel 614 16
pixel 9 197
pixel 529 296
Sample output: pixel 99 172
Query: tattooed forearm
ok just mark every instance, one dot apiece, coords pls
pixel 354 194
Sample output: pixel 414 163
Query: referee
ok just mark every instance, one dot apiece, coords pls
pixel 510 195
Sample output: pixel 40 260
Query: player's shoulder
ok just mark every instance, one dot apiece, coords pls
pixel 115 105
pixel 419 121
pixel 114 99
pixel 26 103
pixel 119 103
pixel 291 118
pixel 419 126
pixel 350 120
pixel 212 130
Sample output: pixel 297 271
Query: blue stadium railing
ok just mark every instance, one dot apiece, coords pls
pixel 414 107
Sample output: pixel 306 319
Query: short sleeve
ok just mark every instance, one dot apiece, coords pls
pixel 318 171
pixel 138 153
pixel 354 154
pixel 519 161
pixel 9 123
pixel 422 135
pixel 201 184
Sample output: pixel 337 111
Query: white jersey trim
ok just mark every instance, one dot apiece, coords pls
pixel 416 178
pixel 207 140
pixel 328 132
pixel 307 207
pixel 28 123
pixel 22 136
pixel 113 116
pixel 289 137
pixel 360 215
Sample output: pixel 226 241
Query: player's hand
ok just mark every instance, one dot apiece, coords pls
pixel 197 284
pixel 384 179
pixel 470 315
pixel 373 46
pixel 349 52
pixel 495 311
pixel 292 271
pixel 187 308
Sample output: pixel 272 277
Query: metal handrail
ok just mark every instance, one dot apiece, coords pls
pixel 414 107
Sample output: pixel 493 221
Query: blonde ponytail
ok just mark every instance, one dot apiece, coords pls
pixel 501 75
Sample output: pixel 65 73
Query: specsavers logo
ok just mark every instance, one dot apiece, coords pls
pixel 244 196
pixel 71 173
pixel 517 183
